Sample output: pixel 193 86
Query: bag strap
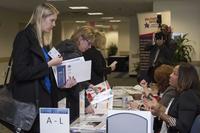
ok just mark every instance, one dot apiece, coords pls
pixel 8 69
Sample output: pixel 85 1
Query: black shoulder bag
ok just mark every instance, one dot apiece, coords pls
pixel 19 115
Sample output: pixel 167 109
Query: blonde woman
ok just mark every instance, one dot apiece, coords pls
pixel 31 69
pixel 83 37
pixel 80 41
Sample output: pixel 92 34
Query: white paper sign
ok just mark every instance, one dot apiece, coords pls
pixel 54 120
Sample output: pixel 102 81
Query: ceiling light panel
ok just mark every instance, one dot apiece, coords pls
pixel 114 21
pixel 95 13
pixel 78 7
pixel 107 18
pixel 80 21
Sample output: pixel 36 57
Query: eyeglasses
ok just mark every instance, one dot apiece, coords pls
pixel 88 41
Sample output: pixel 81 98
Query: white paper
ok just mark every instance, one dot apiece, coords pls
pixel 53 53
pixel 95 90
pixel 82 103
pixel 62 103
pixel 81 71
pixel 103 106
pixel 91 124
pixel 86 126
pixel 102 96
pixel 78 59
pixel 77 68
pixel 113 63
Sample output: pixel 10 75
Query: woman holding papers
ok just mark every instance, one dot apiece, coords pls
pixel 179 115
pixel 83 38
pixel 31 76
pixel 99 68
pixel 80 41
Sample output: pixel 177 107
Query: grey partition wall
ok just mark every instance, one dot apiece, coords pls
pixel 126 123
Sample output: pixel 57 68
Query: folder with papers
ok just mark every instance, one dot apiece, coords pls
pixel 77 68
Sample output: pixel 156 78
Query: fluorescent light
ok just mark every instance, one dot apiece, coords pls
pixel 114 21
pixel 102 26
pixel 95 13
pixel 80 21
pixel 55 0
pixel 78 7
pixel 98 25
pixel 107 18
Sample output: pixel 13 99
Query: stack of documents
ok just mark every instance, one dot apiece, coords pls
pixel 89 124
pixel 95 90
pixel 100 97
pixel 99 92
pixel 77 68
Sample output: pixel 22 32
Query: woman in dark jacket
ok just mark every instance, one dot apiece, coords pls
pixel 80 41
pixel 69 50
pixel 31 71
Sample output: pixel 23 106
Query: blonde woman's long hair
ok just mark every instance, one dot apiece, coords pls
pixel 42 11
pixel 100 40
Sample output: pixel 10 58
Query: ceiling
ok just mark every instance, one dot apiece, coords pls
pixel 116 8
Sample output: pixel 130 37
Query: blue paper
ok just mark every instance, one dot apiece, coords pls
pixel 61 72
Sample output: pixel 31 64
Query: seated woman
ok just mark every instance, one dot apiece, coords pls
pixel 166 91
pixel 182 110
pixel 162 87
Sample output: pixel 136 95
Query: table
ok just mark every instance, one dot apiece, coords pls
pixel 97 123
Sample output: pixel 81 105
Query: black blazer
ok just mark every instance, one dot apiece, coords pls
pixel 29 68
pixel 184 108
pixel 165 55
pixel 99 69
pixel 167 95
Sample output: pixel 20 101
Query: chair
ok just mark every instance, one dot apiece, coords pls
pixel 126 123
pixel 196 125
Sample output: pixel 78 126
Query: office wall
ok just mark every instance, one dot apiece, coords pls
pixel 124 37
pixel 184 18
pixel 9 26
pixel 10 23
pixel 112 37
pixel 68 28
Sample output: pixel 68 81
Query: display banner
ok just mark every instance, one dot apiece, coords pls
pixel 54 120
pixel 148 25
